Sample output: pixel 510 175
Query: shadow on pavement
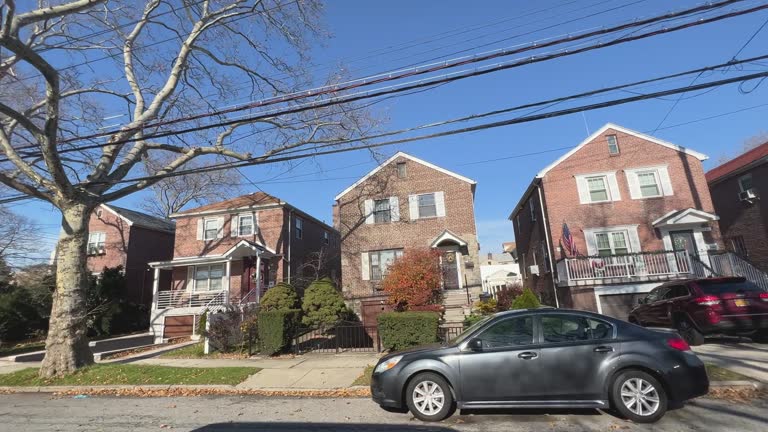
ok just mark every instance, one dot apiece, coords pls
pixel 319 427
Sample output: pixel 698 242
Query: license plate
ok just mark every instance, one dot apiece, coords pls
pixel 741 302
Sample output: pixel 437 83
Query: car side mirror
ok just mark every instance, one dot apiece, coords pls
pixel 475 344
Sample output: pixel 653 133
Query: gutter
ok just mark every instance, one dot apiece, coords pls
pixel 549 243
pixel 290 241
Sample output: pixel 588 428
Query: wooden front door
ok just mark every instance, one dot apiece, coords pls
pixel 450 270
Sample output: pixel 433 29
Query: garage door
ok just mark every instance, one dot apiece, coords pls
pixel 619 305
pixel 178 326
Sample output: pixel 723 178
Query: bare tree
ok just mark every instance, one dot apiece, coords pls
pixel 171 194
pixel 165 59
pixel 756 140
pixel 18 237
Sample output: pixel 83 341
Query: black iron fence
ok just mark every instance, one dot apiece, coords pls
pixel 351 337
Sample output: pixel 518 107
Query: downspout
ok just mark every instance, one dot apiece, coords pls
pixel 549 243
pixel 290 240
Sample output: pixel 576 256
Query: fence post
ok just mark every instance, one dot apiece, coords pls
pixel 336 338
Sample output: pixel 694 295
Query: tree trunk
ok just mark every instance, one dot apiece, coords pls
pixel 66 347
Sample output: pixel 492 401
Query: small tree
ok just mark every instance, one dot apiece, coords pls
pixel 322 303
pixel 505 297
pixel 414 279
pixel 526 300
pixel 280 297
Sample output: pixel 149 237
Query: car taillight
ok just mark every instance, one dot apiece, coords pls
pixel 764 296
pixel 707 301
pixel 678 344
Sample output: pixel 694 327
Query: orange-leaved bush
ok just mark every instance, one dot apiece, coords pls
pixel 413 280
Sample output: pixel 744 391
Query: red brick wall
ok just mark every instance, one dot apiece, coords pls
pixel 116 242
pixel 358 237
pixel 738 218
pixel 146 246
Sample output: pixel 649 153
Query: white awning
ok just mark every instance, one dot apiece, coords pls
pixel 688 216
pixel 448 237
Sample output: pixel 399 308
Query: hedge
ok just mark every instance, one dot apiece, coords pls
pixel 276 329
pixel 402 330
pixel 280 297
pixel 323 304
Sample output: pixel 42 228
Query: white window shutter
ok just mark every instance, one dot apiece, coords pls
pixel 634 240
pixel 368 207
pixel 440 204
pixel 200 223
pixel 413 207
pixel 666 182
pixel 234 223
pixel 220 233
pixel 634 185
pixel 365 265
pixel 190 278
pixel 255 222
pixel 394 207
pixel 613 185
pixel 583 187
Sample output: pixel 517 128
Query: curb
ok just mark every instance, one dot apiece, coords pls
pixel 737 384
pixel 187 390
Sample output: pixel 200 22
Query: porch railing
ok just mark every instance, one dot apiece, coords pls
pixel 731 264
pixel 181 298
pixel 636 265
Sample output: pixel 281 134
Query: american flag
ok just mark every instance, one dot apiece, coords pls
pixel 568 242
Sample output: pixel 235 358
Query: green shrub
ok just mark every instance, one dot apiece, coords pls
pixel 486 307
pixel 506 296
pixel 401 330
pixel 322 304
pixel 280 297
pixel 526 300
pixel 276 328
pixel 201 323
pixel 472 319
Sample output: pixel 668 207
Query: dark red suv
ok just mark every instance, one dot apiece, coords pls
pixel 698 307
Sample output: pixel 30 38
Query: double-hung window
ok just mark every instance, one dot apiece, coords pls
pixel 649 184
pixel 613 145
pixel 326 237
pixel 427 205
pixel 598 189
pixel 209 277
pixel 612 243
pixel 299 228
pixel 96 243
pixel 245 225
pixel 382 211
pixel 745 182
pixel 211 229
pixel 381 260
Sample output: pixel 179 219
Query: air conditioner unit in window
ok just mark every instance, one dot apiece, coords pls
pixel 748 195
pixel 534 270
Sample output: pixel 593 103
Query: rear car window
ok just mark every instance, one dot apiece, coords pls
pixel 717 288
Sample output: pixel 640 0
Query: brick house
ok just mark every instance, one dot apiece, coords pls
pixel 127 238
pixel 638 210
pixel 232 251
pixel 406 203
pixel 736 187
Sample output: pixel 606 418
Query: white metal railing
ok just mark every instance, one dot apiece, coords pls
pixel 731 264
pixel 636 265
pixel 181 298
pixel 252 296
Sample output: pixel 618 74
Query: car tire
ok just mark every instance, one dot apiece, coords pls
pixel 689 332
pixel 437 402
pixel 624 390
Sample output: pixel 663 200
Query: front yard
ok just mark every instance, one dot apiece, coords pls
pixel 120 374
pixel 717 373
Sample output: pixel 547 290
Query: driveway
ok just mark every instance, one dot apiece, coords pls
pixel 737 354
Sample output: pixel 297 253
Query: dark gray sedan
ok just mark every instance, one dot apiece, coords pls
pixel 544 358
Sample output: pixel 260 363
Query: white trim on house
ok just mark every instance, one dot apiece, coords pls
pixel 447 235
pixel 611 187
pixel 633 238
pixel 212 259
pixel 128 221
pixel 407 156
pixel 684 217
pixel 602 130
pixel 640 288
pixel 661 175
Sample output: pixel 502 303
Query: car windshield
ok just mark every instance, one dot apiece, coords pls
pixel 469 330
pixel 717 288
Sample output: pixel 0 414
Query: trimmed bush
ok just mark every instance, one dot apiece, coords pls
pixel 486 307
pixel 276 328
pixel 322 304
pixel 200 330
pixel 472 319
pixel 402 330
pixel 526 300
pixel 280 297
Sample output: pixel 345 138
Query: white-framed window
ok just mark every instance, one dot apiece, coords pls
pixel 745 182
pixel 598 189
pixel 326 237
pixel 211 230
pixel 613 144
pixel 402 170
pixel 382 211
pixel 649 182
pixel 96 242
pixel 209 277
pixel 612 243
pixel 245 225
pixel 299 228
pixel 381 260
pixel 427 205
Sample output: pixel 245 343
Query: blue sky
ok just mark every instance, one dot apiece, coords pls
pixel 365 32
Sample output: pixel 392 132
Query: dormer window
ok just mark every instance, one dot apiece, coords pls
pixel 613 145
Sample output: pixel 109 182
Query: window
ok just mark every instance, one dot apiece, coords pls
pixel 613 145
pixel 509 333
pixel 98 213
pixel 381 260
pixel 533 211
pixel 570 328
pixel 427 206
pixel 245 225
pixel 676 291
pixel 611 243
pixel 745 182
pixel 649 184
pixel 382 212
pixel 211 229
pixel 209 277
pixel 715 287
pixel 96 243
pixel 402 171
pixel 656 295
pixel 598 189
pixel 299 228
pixel 326 237
pixel 736 244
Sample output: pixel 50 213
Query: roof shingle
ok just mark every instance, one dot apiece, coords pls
pixel 737 163
pixel 245 201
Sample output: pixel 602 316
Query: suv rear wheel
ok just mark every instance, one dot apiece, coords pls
pixel 689 332
pixel 429 397
pixel 639 397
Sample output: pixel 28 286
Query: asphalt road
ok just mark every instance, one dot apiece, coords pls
pixel 40 412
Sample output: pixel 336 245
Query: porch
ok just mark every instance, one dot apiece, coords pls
pixel 656 266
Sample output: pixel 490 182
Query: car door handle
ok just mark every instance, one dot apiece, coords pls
pixel 528 355
pixel 603 349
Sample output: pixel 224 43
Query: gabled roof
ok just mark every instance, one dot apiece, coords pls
pixel 407 156
pixel 448 236
pixel 736 164
pixel 256 199
pixel 685 216
pixel 143 220
pixel 602 130
pixel 240 249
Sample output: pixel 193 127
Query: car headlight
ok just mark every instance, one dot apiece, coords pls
pixel 388 364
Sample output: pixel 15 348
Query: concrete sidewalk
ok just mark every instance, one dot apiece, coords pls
pixel 746 358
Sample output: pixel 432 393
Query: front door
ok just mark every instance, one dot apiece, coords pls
pixel 450 270
pixel 684 240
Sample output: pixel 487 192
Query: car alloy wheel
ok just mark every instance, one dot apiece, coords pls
pixel 429 397
pixel 640 397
